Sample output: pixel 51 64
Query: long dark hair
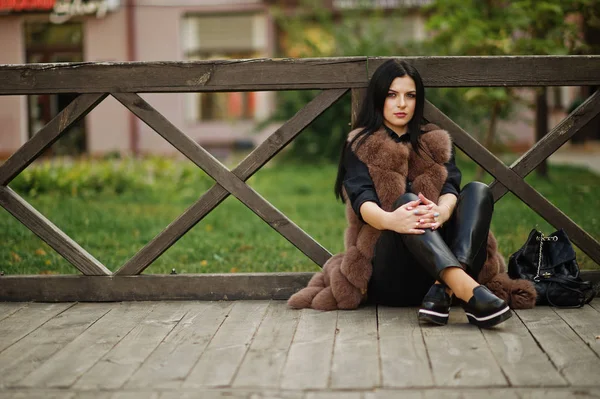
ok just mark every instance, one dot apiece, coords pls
pixel 370 117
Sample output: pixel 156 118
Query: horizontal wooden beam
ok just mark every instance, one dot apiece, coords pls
pixel 292 74
pixel 152 287
pixel 161 287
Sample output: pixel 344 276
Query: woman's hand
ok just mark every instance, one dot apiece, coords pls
pixel 406 219
pixel 433 215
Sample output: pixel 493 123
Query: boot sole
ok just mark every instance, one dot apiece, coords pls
pixel 441 319
pixel 492 320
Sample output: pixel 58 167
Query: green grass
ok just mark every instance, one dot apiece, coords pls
pixel 233 239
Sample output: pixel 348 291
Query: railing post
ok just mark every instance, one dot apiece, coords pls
pixel 358 96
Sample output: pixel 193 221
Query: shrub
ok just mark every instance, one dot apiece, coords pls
pixel 85 177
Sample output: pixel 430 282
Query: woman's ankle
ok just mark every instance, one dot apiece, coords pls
pixel 460 283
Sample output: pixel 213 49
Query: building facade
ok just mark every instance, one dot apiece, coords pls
pixel 34 31
pixel 140 30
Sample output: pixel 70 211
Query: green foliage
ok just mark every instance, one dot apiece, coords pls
pixel 316 32
pixel 87 178
pixel 456 28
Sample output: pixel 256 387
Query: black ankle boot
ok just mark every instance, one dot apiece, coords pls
pixel 435 307
pixel 485 309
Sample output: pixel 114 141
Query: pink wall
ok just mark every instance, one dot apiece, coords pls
pixel 157 38
pixel 108 124
pixel 13 110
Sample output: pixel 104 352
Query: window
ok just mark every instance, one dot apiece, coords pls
pixel 234 36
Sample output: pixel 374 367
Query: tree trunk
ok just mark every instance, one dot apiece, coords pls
pixel 541 126
pixel 488 140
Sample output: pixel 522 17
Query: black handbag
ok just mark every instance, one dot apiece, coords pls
pixel 549 262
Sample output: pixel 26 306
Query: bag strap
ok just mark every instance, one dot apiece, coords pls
pixel 541 239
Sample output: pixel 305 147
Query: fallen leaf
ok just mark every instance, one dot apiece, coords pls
pixel 48 272
pixel 40 252
pixel 15 256
pixel 233 270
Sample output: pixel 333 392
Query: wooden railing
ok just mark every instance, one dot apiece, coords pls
pixel 334 76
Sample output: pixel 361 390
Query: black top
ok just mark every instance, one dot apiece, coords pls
pixel 360 187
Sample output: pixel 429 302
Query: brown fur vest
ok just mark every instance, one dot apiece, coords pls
pixel 343 282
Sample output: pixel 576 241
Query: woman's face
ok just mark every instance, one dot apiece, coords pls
pixel 399 105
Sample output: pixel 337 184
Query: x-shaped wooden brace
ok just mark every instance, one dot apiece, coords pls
pixel 29 216
pixel 513 178
pixel 227 181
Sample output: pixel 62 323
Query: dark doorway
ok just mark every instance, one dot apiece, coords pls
pixel 47 42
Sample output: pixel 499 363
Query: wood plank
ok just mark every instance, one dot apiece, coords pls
pixel 221 393
pixel 395 394
pixel 570 355
pixel 153 287
pixel 216 194
pixel 404 358
pixel 51 234
pixel 595 303
pixel 444 393
pixel 520 357
pixel 8 308
pixel 48 135
pixel 32 351
pixel 355 363
pixel 43 394
pixel 556 393
pixel 471 394
pixel 545 147
pixel 68 364
pixel 93 395
pixel 263 365
pixel 221 359
pixel 358 96
pixel 460 356
pixel 334 395
pixel 292 74
pixel 308 364
pixel 515 183
pixel 586 323
pixel 118 365
pixel 205 394
pixel 27 319
pixel 173 359
pixel 209 164
pixel 135 395
pixel 157 287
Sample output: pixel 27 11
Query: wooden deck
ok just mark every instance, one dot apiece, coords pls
pixel 263 349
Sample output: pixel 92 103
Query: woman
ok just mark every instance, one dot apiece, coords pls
pixel 413 236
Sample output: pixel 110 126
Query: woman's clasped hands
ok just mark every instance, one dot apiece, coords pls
pixel 416 216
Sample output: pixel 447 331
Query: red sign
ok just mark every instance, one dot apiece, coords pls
pixel 26 5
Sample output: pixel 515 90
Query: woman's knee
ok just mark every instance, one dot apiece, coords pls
pixel 479 190
pixel 405 198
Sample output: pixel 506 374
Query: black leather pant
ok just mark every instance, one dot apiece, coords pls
pixel 405 265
